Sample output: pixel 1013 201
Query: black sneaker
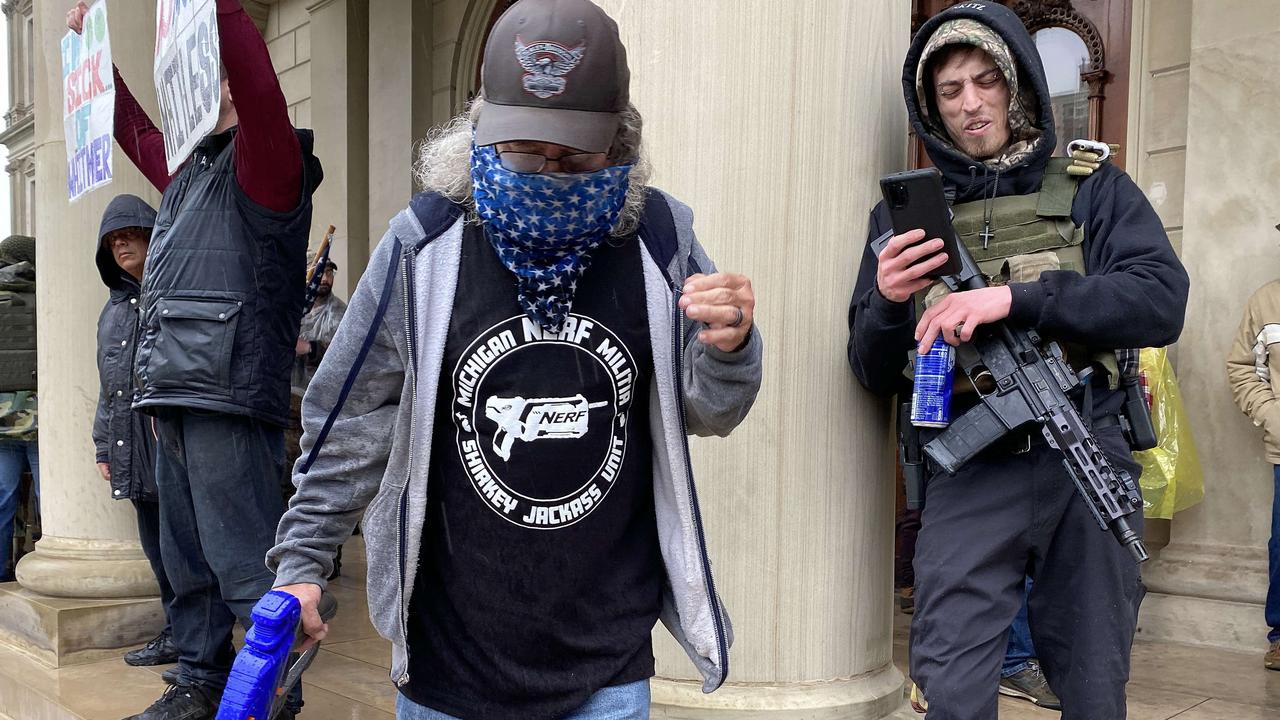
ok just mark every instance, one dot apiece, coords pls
pixel 160 651
pixel 180 703
pixel 1029 684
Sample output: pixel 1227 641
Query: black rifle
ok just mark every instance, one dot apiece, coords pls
pixel 1023 379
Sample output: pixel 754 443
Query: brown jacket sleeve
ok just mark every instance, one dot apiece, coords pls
pixel 1253 364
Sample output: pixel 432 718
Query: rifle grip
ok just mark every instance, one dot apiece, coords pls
pixel 913 482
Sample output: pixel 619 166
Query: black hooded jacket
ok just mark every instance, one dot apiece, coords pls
pixel 1135 292
pixel 121 437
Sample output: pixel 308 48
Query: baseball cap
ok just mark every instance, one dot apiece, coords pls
pixel 554 71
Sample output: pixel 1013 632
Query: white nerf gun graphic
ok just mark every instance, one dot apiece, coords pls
pixel 537 419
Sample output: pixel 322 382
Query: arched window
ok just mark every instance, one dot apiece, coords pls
pixel 1066 63
pixel 476 25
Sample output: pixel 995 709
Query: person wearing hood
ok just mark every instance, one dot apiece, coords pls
pixel 220 307
pixel 1082 260
pixel 122 438
pixel 506 405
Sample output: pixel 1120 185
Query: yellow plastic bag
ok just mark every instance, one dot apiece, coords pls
pixel 1172 479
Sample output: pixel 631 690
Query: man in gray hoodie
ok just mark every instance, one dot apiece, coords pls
pixel 508 398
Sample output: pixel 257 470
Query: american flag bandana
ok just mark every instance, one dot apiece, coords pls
pixel 544 227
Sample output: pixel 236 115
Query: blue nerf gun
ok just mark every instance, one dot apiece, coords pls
pixel 261 677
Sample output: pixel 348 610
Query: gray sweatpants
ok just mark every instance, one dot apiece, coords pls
pixel 998 518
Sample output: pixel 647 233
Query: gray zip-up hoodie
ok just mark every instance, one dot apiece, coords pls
pixel 368 414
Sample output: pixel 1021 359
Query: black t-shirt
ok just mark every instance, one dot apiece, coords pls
pixel 540 576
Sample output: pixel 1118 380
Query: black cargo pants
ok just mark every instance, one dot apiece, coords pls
pixel 1003 515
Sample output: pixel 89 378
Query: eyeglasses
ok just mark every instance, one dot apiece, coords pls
pixel 527 163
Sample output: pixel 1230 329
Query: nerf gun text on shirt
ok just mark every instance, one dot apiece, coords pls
pixel 537 419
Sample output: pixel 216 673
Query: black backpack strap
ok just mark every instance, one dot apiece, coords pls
pixel 658 230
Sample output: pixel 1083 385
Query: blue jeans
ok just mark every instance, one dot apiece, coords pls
pixel 1020 649
pixel 15 456
pixel 1273 550
pixel 620 702
pixel 219 485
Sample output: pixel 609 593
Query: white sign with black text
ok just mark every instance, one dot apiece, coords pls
pixel 188 81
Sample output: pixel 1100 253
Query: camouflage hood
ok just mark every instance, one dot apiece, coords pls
pixel 1000 33
pixel 964 31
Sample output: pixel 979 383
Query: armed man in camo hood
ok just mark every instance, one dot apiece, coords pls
pixel 1080 258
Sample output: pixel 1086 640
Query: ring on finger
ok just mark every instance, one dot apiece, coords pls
pixel 959 327
pixel 738 317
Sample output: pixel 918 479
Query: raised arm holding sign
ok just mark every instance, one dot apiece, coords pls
pixel 268 158
pixel 88 99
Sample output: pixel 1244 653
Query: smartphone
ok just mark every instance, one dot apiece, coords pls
pixel 916 202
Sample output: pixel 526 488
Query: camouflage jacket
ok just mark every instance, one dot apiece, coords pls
pixel 18 415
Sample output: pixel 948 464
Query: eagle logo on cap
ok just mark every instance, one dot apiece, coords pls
pixel 545 64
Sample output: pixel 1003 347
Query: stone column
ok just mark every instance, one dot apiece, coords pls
pixel 89 553
pixel 1209 583
pixel 399 103
pixel 339 116
pixel 774 122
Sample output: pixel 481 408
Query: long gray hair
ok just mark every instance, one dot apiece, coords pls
pixel 443 164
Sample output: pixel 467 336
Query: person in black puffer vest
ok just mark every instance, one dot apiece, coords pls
pixel 221 305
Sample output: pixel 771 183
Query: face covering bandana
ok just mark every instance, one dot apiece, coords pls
pixel 545 227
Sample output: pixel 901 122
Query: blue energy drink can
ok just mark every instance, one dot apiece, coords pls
pixel 931 391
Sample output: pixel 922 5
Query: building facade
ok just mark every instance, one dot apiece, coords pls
pixel 773 120
pixel 18 134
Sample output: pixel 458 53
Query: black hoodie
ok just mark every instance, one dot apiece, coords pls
pixel 1135 292
pixel 121 437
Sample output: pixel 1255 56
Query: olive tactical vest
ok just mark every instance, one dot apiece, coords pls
pixel 18 330
pixel 17 326
pixel 1030 234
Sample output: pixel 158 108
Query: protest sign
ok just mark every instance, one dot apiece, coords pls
pixel 89 100
pixel 188 82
